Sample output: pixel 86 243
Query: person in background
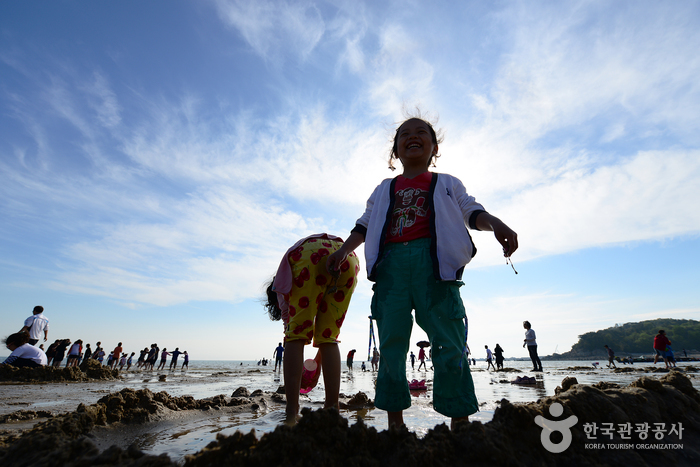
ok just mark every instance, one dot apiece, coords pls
pixel 173 361
pixel 122 361
pixel 277 354
pixel 115 355
pixel 152 357
pixel 498 352
pixel 163 358
pixel 142 357
pixel 489 358
pixel 421 357
pixel 51 351
pixel 670 357
pixel 74 353
pixel 611 356
pixel 413 360
pixel 23 354
pixel 186 361
pixel 130 361
pixel 660 344
pixel 100 355
pixel 375 360
pixel 531 343
pixel 98 347
pixel 60 352
pixel 36 324
pixel 350 358
pixel 88 353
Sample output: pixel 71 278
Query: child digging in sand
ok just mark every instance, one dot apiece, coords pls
pixel 416 247
pixel 312 304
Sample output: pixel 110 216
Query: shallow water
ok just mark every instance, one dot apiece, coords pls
pixel 210 378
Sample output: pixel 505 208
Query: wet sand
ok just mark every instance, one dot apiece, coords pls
pixel 167 417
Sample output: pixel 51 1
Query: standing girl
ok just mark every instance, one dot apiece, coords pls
pixel 416 247
pixel 312 304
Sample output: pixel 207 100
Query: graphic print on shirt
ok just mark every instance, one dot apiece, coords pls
pixel 410 204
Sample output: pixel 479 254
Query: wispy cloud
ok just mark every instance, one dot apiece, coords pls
pixel 275 29
pixel 177 200
pixel 104 101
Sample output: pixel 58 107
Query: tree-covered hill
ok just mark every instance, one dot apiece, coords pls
pixel 638 338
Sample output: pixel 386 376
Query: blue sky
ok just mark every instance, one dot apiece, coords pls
pixel 157 159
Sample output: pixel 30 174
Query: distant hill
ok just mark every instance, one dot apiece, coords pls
pixel 637 338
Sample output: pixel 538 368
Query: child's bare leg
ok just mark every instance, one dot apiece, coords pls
pixel 395 418
pixel 293 362
pixel 330 363
pixel 456 420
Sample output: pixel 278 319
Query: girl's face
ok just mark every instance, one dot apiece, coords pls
pixel 414 143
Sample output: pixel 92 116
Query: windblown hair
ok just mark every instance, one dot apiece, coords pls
pixel 271 304
pixel 17 339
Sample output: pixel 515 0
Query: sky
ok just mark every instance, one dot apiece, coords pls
pixel 158 158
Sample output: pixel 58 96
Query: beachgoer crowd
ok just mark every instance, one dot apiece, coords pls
pixel 25 352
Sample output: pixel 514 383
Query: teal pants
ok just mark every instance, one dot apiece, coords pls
pixel 405 282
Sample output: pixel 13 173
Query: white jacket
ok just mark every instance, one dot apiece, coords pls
pixel 451 210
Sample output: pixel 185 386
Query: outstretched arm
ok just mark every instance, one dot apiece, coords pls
pixel 504 234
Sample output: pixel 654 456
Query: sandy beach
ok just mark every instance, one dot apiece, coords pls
pixel 178 414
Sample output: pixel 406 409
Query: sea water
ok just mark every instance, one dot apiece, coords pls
pixel 208 378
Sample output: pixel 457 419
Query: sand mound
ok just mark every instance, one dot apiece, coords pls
pixel 88 370
pixel 323 437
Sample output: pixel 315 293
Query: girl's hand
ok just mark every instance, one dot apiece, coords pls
pixel 504 234
pixel 334 261
pixel 506 237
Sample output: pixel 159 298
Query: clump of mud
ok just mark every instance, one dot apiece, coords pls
pixel 25 415
pixel 358 401
pixel 62 440
pixel 323 437
pixel 88 370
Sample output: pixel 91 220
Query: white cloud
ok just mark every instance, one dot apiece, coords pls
pixel 275 28
pixel 104 101
pixel 183 215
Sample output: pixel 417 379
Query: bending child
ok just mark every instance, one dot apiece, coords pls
pixel 312 304
pixel 416 247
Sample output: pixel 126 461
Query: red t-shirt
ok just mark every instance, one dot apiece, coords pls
pixel 661 342
pixel 410 218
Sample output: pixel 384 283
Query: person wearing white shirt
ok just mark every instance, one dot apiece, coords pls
pixel 23 354
pixel 35 324
pixel 531 344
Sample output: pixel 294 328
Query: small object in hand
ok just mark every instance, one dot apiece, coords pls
pixel 508 260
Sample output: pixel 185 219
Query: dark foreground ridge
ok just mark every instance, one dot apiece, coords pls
pixel 324 438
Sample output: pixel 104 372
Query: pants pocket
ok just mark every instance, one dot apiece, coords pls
pixel 453 307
